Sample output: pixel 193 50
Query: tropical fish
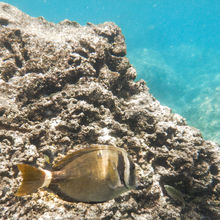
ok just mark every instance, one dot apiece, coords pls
pixel 175 194
pixel 94 174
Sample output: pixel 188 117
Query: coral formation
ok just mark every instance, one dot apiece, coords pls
pixel 63 85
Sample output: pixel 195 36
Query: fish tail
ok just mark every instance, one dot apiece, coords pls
pixel 33 179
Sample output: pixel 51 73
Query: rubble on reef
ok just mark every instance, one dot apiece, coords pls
pixel 63 85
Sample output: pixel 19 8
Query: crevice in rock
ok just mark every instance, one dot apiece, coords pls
pixel 4 22
pixel 9 138
pixel 8 46
pixel 18 62
pixel 17 33
pixel 25 55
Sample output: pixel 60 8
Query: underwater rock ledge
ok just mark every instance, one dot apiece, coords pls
pixel 63 85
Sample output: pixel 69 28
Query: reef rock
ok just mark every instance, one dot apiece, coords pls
pixel 63 85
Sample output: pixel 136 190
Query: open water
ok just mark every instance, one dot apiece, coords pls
pixel 174 45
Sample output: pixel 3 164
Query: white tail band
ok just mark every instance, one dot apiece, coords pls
pixel 48 178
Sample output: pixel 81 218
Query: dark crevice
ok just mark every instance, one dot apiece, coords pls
pixel 88 117
pixel 111 38
pixel 160 161
pixel 18 62
pixel 34 70
pixel 18 33
pixel 49 89
pixel 13 128
pixel 82 53
pixel 150 130
pixel 118 118
pixel 25 55
pixel 207 213
pixel 2 111
pixel 35 139
pixel 138 122
pixel 70 61
pixel 85 45
pixel 98 65
pixel 10 139
pixel 77 62
pixel 96 104
pixel 178 163
pixel 72 78
pixel 156 143
pixel 214 169
pixel 43 112
pixel 46 87
pixel 68 129
pixel 5 174
pixel 8 46
pixel 118 133
pixel 112 65
pixel 4 22
pixel 149 156
pixel 122 89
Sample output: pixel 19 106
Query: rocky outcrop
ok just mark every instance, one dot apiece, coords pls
pixel 63 85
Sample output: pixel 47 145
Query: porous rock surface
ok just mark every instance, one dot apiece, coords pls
pixel 63 85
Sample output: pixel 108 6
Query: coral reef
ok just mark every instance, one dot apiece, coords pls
pixel 63 85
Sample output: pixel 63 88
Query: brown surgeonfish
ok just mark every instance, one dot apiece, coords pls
pixel 94 174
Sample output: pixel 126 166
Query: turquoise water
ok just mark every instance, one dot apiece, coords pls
pixel 174 45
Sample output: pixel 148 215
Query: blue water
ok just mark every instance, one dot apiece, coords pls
pixel 174 45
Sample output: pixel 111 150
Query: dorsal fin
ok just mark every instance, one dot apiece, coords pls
pixel 70 157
